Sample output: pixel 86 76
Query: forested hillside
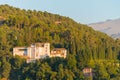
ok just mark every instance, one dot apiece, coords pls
pixel 86 47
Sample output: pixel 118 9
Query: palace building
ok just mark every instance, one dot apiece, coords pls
pixel 39 51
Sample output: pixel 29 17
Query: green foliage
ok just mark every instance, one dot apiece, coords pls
pixel 85 47
pixel 71 61
pixel 6 67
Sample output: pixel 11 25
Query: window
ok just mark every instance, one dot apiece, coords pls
pixel 25 52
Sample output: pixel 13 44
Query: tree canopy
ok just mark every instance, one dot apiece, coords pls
pixel 86 47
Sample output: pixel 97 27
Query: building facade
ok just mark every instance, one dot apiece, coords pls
pixel 39 51
pixel 21 51
pixel 35 51
pixel 59 52
pixel 88 73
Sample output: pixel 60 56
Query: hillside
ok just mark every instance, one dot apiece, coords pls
pixel 85 46
pixel 110 27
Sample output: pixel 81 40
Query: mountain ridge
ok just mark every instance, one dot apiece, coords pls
pixel 109 27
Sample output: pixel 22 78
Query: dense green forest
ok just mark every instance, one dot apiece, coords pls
pixel 86 47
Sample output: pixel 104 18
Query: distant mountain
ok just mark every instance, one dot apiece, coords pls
pixel 110 27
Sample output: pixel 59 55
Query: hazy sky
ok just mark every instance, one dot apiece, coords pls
pixel 83 11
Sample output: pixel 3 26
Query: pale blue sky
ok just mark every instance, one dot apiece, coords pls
pixel 83 11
